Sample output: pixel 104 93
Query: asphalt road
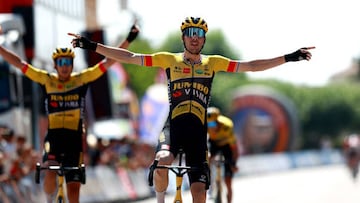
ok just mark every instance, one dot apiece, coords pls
pixel 325 184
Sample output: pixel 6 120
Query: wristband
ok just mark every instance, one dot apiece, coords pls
pixel 132 34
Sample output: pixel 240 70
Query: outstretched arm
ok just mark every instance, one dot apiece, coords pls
pixel 11 57
pixel 263 64
pixel 119 54
pixel 133 33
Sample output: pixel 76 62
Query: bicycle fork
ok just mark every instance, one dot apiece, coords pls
pixel 218 198
pixel 178 196
pixel 60 196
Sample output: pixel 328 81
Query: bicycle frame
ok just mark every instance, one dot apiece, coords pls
pixel 179 171
pixel 60 170
pixel 60 196
pixel 219 161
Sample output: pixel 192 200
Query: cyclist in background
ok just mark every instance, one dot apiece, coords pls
pixel 190 75
pixel 222 140
pixel 351 148
pixel 65 105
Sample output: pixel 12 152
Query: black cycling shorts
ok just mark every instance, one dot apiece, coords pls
pixel 228 157
pixel 65 146
pixel 187 132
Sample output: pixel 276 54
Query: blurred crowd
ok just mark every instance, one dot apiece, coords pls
pixel 17 166
pixel 18 160
pixel 127 152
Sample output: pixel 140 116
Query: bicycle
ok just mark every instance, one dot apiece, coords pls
pixel 353 161
pixel 61 171
pixel 218 163
pixel 179 171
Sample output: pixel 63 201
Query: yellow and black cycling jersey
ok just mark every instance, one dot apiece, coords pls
pixel 224 133
pixel 65 101
pixel 189 84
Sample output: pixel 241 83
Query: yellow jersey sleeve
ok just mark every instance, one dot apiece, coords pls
pixel 35 74
pixel 92 73
pixel 221 63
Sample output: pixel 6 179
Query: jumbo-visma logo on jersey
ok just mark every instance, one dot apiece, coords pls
pixel 190 96
pixel 65 101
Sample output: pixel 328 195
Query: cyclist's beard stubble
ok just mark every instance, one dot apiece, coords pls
pixel 193 51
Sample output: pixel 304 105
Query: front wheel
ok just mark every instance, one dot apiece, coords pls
pixel 60 200
pixel 218 197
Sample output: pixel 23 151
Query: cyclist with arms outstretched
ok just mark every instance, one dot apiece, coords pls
pixel 190 76
pixel 65 105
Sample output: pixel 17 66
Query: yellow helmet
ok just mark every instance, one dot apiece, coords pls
pixel 59 52
pixel 194 22
pixel 212 114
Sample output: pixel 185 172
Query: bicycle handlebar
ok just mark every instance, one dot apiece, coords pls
pixel 58 167
pixel 178 170
pixel 60 170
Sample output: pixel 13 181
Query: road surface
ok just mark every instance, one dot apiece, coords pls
pixel 325 184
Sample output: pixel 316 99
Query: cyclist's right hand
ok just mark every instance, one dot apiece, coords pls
pixel 151 172
pixel 82 42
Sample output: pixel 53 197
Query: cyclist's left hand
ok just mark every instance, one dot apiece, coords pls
pixel 82 42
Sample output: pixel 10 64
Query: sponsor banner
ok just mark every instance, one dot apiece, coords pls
pixel 91 192
pixel 265 163
pixel 138 179
pixel 107 184
pixel 256 164
pixel 313 158
pixel 128 187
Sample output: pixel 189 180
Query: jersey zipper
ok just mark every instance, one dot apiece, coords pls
pixel 63 107
pixel 192 86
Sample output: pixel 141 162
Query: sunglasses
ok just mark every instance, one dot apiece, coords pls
pixel 64 62
pixel 194 31
pixel 212 124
